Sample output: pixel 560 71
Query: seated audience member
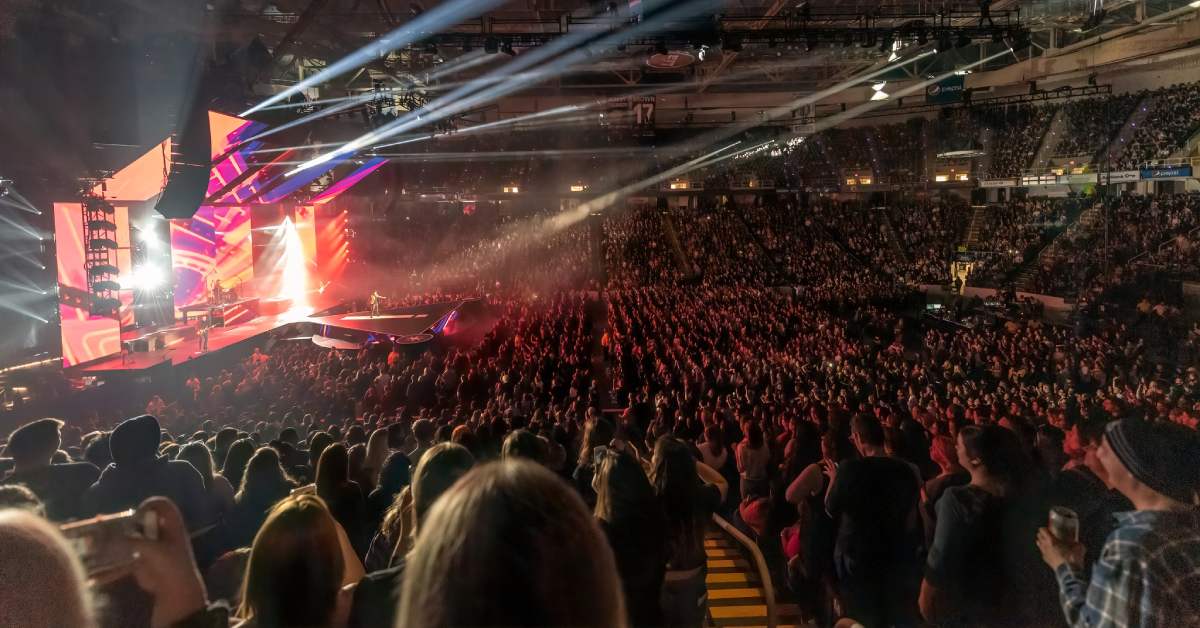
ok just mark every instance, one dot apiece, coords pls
pixel 377 454
pixel 343 495
pixel 220 491
pixel 634 523
pixel 523 444
pixel 873 501
pixel 974 572
pixel 236 460
pixel 59 486
pixel 36 562
pixel 511 545
pixel 297 568
pixel 137 472
pixel 394 475
pixel 264 485
pixel 1149 569
pixel 690 492
pixel 376 596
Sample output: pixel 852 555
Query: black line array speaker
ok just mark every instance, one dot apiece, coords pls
pixel 191 161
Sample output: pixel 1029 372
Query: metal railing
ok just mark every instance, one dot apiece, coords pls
pixel 760 565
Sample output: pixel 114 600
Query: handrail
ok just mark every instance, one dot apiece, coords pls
pixel 760 563
pixel 1191 235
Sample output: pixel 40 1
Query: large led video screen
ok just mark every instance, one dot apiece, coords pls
pixel 85 337
pixel 212 246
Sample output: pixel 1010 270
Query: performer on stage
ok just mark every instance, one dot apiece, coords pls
pixel 203 335
pixel 376 303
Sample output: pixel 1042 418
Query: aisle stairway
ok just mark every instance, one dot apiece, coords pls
pixel 1049 144
pixel 1116 148
pixel 893 238
pixel 681 257
pixel 1048 256
pixel 974 227
pixel 735 593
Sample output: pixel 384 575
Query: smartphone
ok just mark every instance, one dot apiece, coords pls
pixel 99 540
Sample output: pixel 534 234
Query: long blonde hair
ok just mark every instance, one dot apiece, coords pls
pixel 501 515
pixel 295 568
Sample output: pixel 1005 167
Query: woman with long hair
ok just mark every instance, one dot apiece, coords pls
pixel 394 475
pixel 814 568
pixel 378 453
pixel 976 572
pixel 753 458
pixel 296 567
pixel 343 496
pixel 501 515
pixel 264 484
pixel 689 501
pixel 235 461
pixel 597 431
pixel 220 490
pixel 636 527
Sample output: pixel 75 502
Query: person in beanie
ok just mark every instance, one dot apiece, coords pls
pixel 1149 570
pixel 138 472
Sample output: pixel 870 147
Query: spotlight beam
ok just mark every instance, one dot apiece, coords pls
pixel 431 21
pixel 466 98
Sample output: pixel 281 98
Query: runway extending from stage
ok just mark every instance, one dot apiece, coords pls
pixel 408 325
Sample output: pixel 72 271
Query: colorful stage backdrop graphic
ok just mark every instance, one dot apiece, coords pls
pixel 212 245
pixel 84 337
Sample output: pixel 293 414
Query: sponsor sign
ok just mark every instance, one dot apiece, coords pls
pixel 947 90
pixel 1166 172
pixel 998 183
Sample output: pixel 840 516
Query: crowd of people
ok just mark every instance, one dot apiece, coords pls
pixel 1171 120
pixel 635 373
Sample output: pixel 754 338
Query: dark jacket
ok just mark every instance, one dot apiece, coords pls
pixel 127 484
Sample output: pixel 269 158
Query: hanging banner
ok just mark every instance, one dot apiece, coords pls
pixel 1077 179
pixel 998 183
pixel 947 90
pixel 1167 172
pixel 1120 176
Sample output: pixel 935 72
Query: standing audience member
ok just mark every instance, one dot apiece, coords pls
pixel 690 491
pixel 296 569
pixel 376 596
pixel 343 496
pixel 264 485
pixel 873 501
pixel 137 472
pixel 1149 570
pixel 974 574
pixel 60 486
pixel 636 527
pixel 511 545
pixel 36 561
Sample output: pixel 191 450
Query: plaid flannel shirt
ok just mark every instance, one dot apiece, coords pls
pixel 1148 575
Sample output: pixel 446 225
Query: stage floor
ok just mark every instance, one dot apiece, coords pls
pixel 405 321
pixel 399 322
pixel 184 349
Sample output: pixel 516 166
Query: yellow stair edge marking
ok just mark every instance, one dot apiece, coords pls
pixel 733 594
pixel 720 563
pixel 712 552
pixel 747 610
pixel 717 578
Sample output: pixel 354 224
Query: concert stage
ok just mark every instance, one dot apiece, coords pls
pixel 180 344
pixel 405 325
